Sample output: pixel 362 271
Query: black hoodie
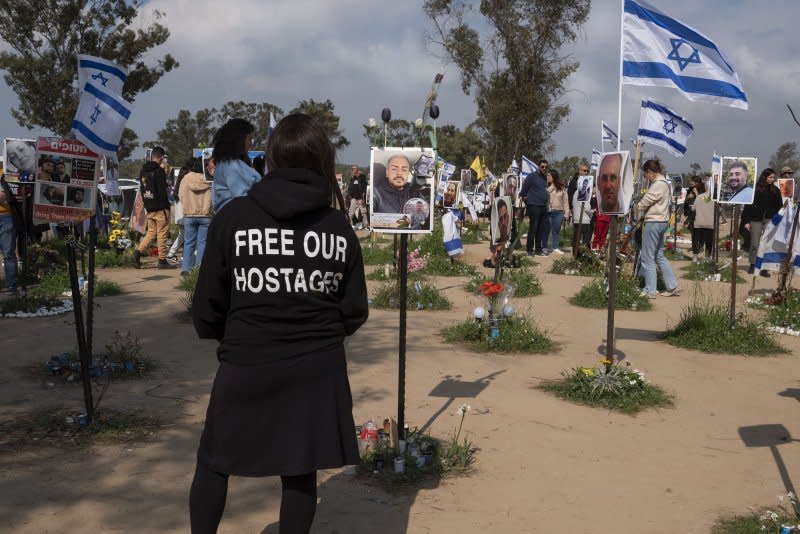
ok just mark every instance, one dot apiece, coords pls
pixel 153 186
pixel 282 274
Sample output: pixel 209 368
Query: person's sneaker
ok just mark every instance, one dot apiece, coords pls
pixel 674 292
pixel 644 293
pixel 173 260
pixel 542 253
pixel 163 264
pixel 136 258
pixel 765 274
pixel 558 251
pixel 529 254
pixel 184 274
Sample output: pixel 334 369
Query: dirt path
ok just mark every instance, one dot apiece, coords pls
pixel 544 465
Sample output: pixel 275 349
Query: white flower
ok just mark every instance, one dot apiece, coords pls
pixel 790 495
pixel 632 382
pixel 418 123
pixel 371 122
pixel 463 409
pixel 780 498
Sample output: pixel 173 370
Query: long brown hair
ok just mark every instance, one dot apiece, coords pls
pixel 300 142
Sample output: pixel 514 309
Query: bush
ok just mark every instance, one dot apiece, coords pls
pixel 517 334
pixel 187 284
pixel 704 326
pixel 620 389
pixel 787 313
pixel 593 295
pixel 106 288
pixel 431 244
pixel 52 286
pixel 524 283
pixel 377 255
pixel 28 304
pixel 443 266
pixel 109 258
pixel 586 264
pixel 421 296
pixel 474 233
pixel 702 270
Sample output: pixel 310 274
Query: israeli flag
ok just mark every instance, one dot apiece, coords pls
pixel 660 51
pixel 101 73
pixel 100 120
pixel 528 167
pixel 595 160
pixel 515 166
pixel 447 170
pixel 271 124
pixel 609 135
pixel 661 126
pixel 774 244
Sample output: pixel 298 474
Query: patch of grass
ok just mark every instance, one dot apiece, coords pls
pixel 524 282
pixel 593 295
pixel 442 266
pixel 110 258
pixel 702 270
pixel 517 334
pixel 674 255
pixel 786 314
pixel 586 264
pixel 473 233
pixel 421 296
pixel 28 304
pixel 431 244
pixel 187 284
pixel 620 389
pixel 106 288
pixel 760 520
pixel 52 285
pixel 52 428
pixel 704 326
pixel 377 255
pixel 385 273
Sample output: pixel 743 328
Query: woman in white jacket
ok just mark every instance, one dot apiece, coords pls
pixel 656 208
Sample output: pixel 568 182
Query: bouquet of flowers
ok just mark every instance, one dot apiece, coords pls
pixel 416 260
pixel 118 238
pixel 494 292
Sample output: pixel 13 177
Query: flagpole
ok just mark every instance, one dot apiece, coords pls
pixel 621 45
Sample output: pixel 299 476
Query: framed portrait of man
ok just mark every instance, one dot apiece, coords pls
pixel 500 227
pixel 614 183
pixel 451 195
pixel 19 159
pixel 511 186
pixel 786 185
pixel 737 180
pixel 584 190
pixel 466 178
pixel 401 192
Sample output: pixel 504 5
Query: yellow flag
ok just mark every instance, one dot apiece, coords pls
pixel 476 166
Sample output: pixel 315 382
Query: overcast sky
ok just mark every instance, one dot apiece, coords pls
pixel 369 55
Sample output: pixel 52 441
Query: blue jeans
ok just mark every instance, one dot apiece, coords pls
pixel 537 216
pixel 653 255
pixel 556 218
pixel 8 248
pixel 195 231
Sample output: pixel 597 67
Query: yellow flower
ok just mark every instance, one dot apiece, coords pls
pixel 606 361
pixel 587 371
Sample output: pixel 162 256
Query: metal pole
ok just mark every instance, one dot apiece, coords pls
pixel 579 235
pixel 734 259
pixel 715 242
pixel 675 228
pixel 401 374
pixel 611 265
pixel 90 290
pixel 84 356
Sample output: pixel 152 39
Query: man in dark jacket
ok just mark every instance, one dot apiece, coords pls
pixel 155 195
pixel 393 191
pixel 534 192
pixel 356 191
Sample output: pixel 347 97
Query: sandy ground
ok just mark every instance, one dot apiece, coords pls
pixel 544 465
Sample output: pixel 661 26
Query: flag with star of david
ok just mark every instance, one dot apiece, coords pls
pixel 661 51
pixel 660 126
pixel 100 120
pixel 101 73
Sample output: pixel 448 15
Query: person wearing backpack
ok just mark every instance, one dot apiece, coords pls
pixel 153 188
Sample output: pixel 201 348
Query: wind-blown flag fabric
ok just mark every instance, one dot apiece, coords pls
pixel 660 126
pixel 661 51
pixel 101 73
pixel 100 120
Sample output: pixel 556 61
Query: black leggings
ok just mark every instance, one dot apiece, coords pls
pixel 210 489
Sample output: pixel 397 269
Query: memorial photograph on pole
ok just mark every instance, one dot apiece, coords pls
pixel 614 183
pixel 19 159
pixel 401 192
pixel 737 180
pixel 66 180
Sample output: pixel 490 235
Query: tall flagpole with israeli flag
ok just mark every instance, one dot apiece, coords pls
pixel 660 126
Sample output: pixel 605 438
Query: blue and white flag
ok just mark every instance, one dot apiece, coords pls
pixel 515 166
pixel 660 51
pixel 595 159
pixel 661 126
pixel 271 124
pixel 528 167
pixel 609 135
pixel 101 73
pixel 447 170
pixel 100 120
pixel 451 237
pixel 774 242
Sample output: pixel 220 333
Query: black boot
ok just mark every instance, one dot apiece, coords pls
pixel 164 264
pixel 751 269
pixel 136 255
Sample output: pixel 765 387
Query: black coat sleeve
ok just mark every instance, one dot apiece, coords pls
pixel 355 308
pixel 212 294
